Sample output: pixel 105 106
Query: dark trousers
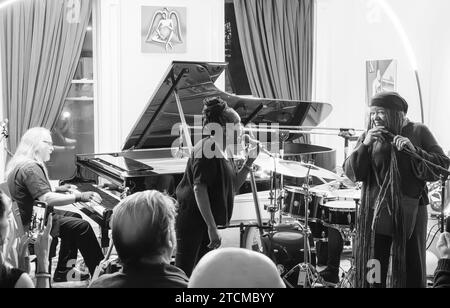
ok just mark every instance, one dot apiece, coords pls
pixel 415 253
pixel 335 247
pixel 192 242
pixel 75 234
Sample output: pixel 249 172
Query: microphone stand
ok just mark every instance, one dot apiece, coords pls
pixel 443 176
pixel 348 135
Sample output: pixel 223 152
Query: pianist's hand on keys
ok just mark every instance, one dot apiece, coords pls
pixel 88 196
pixel 65 188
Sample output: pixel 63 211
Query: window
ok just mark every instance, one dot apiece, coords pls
pixel 74 131
pixel 236 80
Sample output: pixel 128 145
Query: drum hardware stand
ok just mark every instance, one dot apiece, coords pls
pixel 348 278
pixel 272 207
pixel 308 275
pixel 284 135
pixel 348 135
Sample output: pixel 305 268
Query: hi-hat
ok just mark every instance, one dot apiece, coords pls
pixel 294 149
pixel 293 168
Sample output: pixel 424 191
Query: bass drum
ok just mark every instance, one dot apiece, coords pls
pixel 284 246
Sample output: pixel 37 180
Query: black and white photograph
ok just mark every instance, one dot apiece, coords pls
pixel 225 145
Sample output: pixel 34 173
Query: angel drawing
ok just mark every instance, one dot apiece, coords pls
pixel 165 28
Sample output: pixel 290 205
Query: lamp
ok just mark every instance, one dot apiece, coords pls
pixel 407 44
pixel 6 3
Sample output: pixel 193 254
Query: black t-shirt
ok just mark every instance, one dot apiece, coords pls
pixel 218 174
pixel 26 183
pixel 9 277
pixel 144 276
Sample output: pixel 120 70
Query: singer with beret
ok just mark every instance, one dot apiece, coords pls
pixel 206 192
pixel 393 215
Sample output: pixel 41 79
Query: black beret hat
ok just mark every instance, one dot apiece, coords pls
pixel 390 100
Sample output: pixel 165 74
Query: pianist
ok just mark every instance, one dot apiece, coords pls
pixel 206 192
pixel 27 179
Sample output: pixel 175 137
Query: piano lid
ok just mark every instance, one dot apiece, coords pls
pixel 194 81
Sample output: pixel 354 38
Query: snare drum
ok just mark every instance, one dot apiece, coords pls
pixel 294 203
pixel 339 214
pixel 346 194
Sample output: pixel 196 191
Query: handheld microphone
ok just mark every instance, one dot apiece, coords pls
pixel 248 139
pixel 389 136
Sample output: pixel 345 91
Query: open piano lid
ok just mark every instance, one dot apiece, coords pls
pixel 194 81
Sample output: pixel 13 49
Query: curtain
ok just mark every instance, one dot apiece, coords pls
pixel 41 43
pixel 277 38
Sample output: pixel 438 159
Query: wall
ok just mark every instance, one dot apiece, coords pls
pixel 349 32
pixel 127 77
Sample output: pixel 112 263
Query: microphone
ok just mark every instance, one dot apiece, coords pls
pixel 248 140
pixel 389 136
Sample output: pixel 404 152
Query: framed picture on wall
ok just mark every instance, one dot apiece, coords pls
pixel 163 29
pixel 381 76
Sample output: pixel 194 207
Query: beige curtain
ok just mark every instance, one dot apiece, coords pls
pixel 41 42
pixel 277 38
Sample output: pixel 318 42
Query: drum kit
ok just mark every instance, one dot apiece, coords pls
pixel 305 214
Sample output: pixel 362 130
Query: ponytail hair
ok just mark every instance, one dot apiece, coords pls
pixel 215 111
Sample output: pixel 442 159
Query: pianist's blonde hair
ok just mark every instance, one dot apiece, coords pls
pixel 28 148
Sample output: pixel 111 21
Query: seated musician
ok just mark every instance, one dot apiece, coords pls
pixel 143 232
pixel 235 268
pixel 27 179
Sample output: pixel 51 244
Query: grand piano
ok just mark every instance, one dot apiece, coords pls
pixel 155 153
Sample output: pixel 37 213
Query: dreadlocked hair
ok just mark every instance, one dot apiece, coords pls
pixel 214 111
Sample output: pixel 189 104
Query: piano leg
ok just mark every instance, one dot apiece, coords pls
pixel 104 226
pixel 105 237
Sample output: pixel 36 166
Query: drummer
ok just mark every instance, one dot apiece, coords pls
pixel 335 242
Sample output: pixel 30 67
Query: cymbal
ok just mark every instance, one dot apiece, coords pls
pixel 302 148
pixel 342 182
pixel 293 149
pixel 293 168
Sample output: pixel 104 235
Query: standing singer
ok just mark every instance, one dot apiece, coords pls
pixel 392 221
pixel 206 192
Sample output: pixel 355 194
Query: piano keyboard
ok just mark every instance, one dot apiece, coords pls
pixel 109 201
pixel 93 206
pixel 100 213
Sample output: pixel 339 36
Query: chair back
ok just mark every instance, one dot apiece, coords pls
pixel 16 232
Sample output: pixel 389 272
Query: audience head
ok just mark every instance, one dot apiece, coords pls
pixel 235 268
pixel 143 227
pixel 36 144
